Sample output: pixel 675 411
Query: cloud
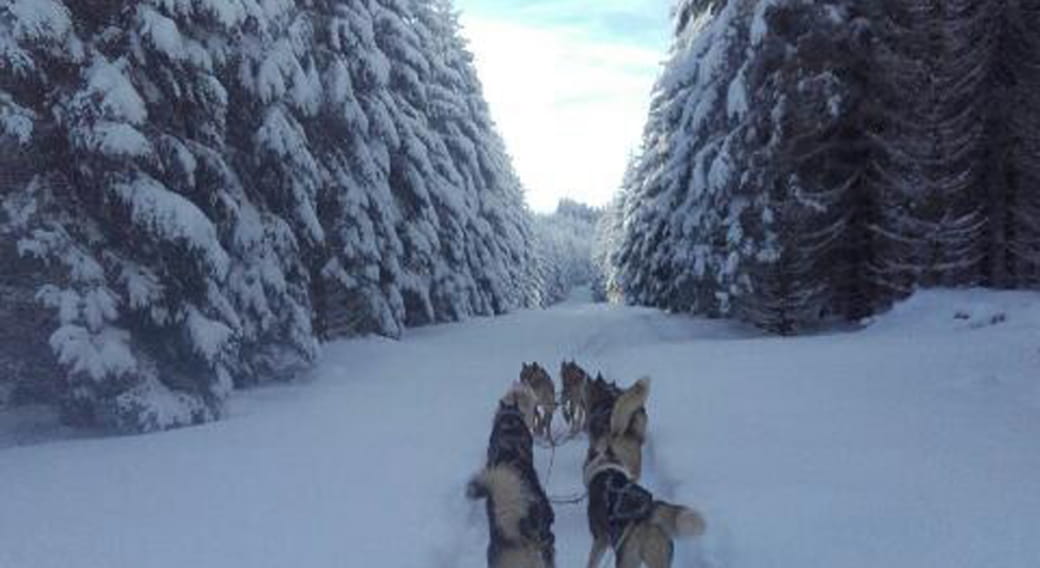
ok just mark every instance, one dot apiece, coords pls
pixel 569 94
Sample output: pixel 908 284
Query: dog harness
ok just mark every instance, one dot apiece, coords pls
pixel 617 501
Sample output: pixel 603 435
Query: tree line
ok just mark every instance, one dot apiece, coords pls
pixel 199 191
pixel 810 160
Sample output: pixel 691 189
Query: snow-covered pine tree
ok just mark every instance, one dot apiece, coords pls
pixel 443 233
pixel 421 174
pixel 187 59
pixel 173 288
pixel 933 60
pixel 606 241
pixel 563 246
pixel 683 239
pixel 206 173
pixel 1013 203
pixel 487 205
pixel 39 49
pixel 349 134
pixel 100 197
pixel 808 158
pixel 272 89
pixel 803 98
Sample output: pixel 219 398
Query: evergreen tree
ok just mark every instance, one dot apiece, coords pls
pixel 39 53
pixel 934 59
pixel 1013 135
pixel 811 159
pixel 174 292
pixel 209 179
pixel 564 250
pixel 802 173
pixel 682 228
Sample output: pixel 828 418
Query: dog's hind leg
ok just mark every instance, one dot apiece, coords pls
pixel 656 548
pixel 522 557
pixel 599 548
pixel 629 557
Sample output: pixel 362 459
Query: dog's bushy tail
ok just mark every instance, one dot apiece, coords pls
pixel 627 404
pixel 676 520
pixel 509 495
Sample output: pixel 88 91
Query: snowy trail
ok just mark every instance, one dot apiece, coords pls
pixel 913 443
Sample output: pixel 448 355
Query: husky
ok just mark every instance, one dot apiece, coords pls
pixel 600 397
pixel 618 419
pixel 538 379
pixel 575 384
pixel 520 517
pixel 625 517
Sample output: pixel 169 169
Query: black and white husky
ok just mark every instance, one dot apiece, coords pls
pixel 520 517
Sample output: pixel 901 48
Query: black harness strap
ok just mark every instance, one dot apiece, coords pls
pixel 618 502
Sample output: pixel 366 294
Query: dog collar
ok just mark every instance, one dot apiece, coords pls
pixel 592 472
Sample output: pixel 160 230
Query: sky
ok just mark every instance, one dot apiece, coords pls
pixel 568 83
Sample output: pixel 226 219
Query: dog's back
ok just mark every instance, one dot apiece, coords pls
pixel 625 516
pixel 616 503
pixel 618 419
pixel 676 520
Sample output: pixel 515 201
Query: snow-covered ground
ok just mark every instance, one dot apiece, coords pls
pixel 913 443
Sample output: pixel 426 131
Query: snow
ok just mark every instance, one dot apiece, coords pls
pixel 116 96
pixel 38 18
pixel 912 442
pixel 15 121
pixel 759 25
pixel 152 406
pixel 174 218
pixel 228 12
pixel 162 32
pixel 94 354
pixel 209 337
pixel 116 139
pixel 737 96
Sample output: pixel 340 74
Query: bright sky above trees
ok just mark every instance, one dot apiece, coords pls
pixel 568 82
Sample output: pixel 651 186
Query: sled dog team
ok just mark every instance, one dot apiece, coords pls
pixel 622 514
